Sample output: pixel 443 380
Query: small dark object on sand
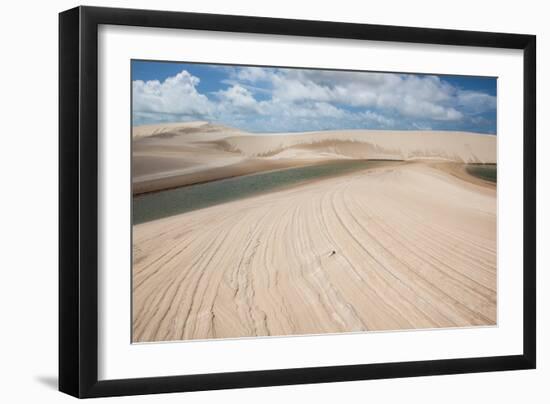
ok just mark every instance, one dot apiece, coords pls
pixel 332 253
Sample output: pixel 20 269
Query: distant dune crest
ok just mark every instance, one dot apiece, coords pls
pixel 371 144
pixel 183 128
pixel 379 144
pixel 176 154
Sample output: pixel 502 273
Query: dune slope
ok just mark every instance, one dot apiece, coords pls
pixel 375 144
pixel 399 247
pixel 177 154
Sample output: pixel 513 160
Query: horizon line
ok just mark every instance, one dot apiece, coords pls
pixel 308 131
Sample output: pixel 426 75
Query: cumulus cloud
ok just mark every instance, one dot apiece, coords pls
pixel 269 99
pixel 238 99
pixel 477 102
pixel 176 95
pixel 410 95
pixel 252 74
pixel 377 119
pixel 424 96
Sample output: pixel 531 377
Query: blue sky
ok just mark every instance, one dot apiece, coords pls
pixel 265 99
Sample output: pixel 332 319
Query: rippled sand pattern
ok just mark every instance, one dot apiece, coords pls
pixel 399 247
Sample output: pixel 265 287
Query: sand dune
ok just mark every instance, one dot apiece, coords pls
pixel 171 155
pixel 195 130
pixel 396 247
pixel 371 144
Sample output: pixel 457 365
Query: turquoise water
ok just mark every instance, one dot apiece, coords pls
pixel 486 172
pixel 171 202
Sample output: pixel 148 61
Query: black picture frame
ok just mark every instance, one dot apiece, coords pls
pixel 78 201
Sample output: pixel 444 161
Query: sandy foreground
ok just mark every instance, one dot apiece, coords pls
pixel 177 154
pixel 402 246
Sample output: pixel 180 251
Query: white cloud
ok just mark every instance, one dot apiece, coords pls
pixel 474 101
pixel 252 74
pixel 238 99
pixel 266 99
pixel 176 95
pixel 416 108
pixel 373 117
pixel 410 95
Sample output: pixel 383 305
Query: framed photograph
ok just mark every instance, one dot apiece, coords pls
pixel 251 201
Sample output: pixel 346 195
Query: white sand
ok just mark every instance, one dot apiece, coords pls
pixel 415 247
pixel 370 144
pixel 170 155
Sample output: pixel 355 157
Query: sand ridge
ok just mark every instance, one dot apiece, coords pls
pixel 376 144
pixel 170 155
